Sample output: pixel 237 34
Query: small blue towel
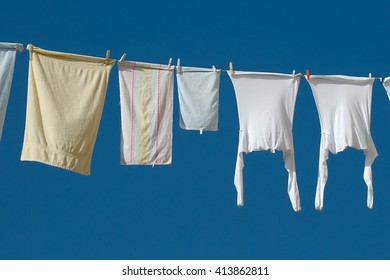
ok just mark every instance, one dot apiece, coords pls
pixel 7 65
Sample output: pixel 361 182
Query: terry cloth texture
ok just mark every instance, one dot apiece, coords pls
pixel 386 84
pixel 65 100
pixel 344 107
pixel 7 65
pixel 266 104
pixel 198 90
pixel 146 95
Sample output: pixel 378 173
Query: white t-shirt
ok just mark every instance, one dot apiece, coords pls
pixel 344 107
pixel 266 104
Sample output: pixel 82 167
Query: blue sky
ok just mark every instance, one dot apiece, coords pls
pixel 188 210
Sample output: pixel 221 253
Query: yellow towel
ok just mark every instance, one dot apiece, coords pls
pixel 65 100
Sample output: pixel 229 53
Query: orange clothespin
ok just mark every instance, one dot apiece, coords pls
pixel 307 74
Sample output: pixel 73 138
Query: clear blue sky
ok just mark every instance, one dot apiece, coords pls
pixel 188 210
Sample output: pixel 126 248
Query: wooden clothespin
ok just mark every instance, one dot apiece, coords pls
pixel 122 58
pixel 169 63
pixel 231 71
pixel 178 68
pixel 107 57
pixel 307 74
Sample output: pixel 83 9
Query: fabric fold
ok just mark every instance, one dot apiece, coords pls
pixel 344 107
pixel 7 66
pixel 146 99
pixel 266 104
pixel 65 99
pixel 198 90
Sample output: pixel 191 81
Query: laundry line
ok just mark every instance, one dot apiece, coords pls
pixel 177 67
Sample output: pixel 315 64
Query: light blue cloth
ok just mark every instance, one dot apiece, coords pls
pixel 7 65
pixel 198 90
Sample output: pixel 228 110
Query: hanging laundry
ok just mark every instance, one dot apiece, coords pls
pixel 146 95
pixel 386 84
pixel 344 107
pixel 65 100
pixel 198 90
pixel 265 108
pixel 7 65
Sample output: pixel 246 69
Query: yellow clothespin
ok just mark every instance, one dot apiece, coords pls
pixel 231 68
pixel 122 58
pixel 178 68
pixel 107 57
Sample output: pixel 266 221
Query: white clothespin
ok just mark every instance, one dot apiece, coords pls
pixel 231 71
pixel 107 57
pixel 178 67
pixel 369 75
pixel 214 69
pixel 122 58
pixel 169 63
pixel 201 131
pixel 30 49
pixel 293 73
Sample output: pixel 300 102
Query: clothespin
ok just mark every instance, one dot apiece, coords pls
pixel 178 68
pixel 307 74
pixel 30 49
pixel 107 57
pixel 369 75
pixel 169 63
pixel 231 71
pixel 122 58
pixel 214 69
pixel 293 73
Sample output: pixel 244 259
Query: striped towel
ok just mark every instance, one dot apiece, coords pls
pixel 146 95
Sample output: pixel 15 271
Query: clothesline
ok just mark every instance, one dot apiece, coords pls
pixel 231 70
pixel 146 95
